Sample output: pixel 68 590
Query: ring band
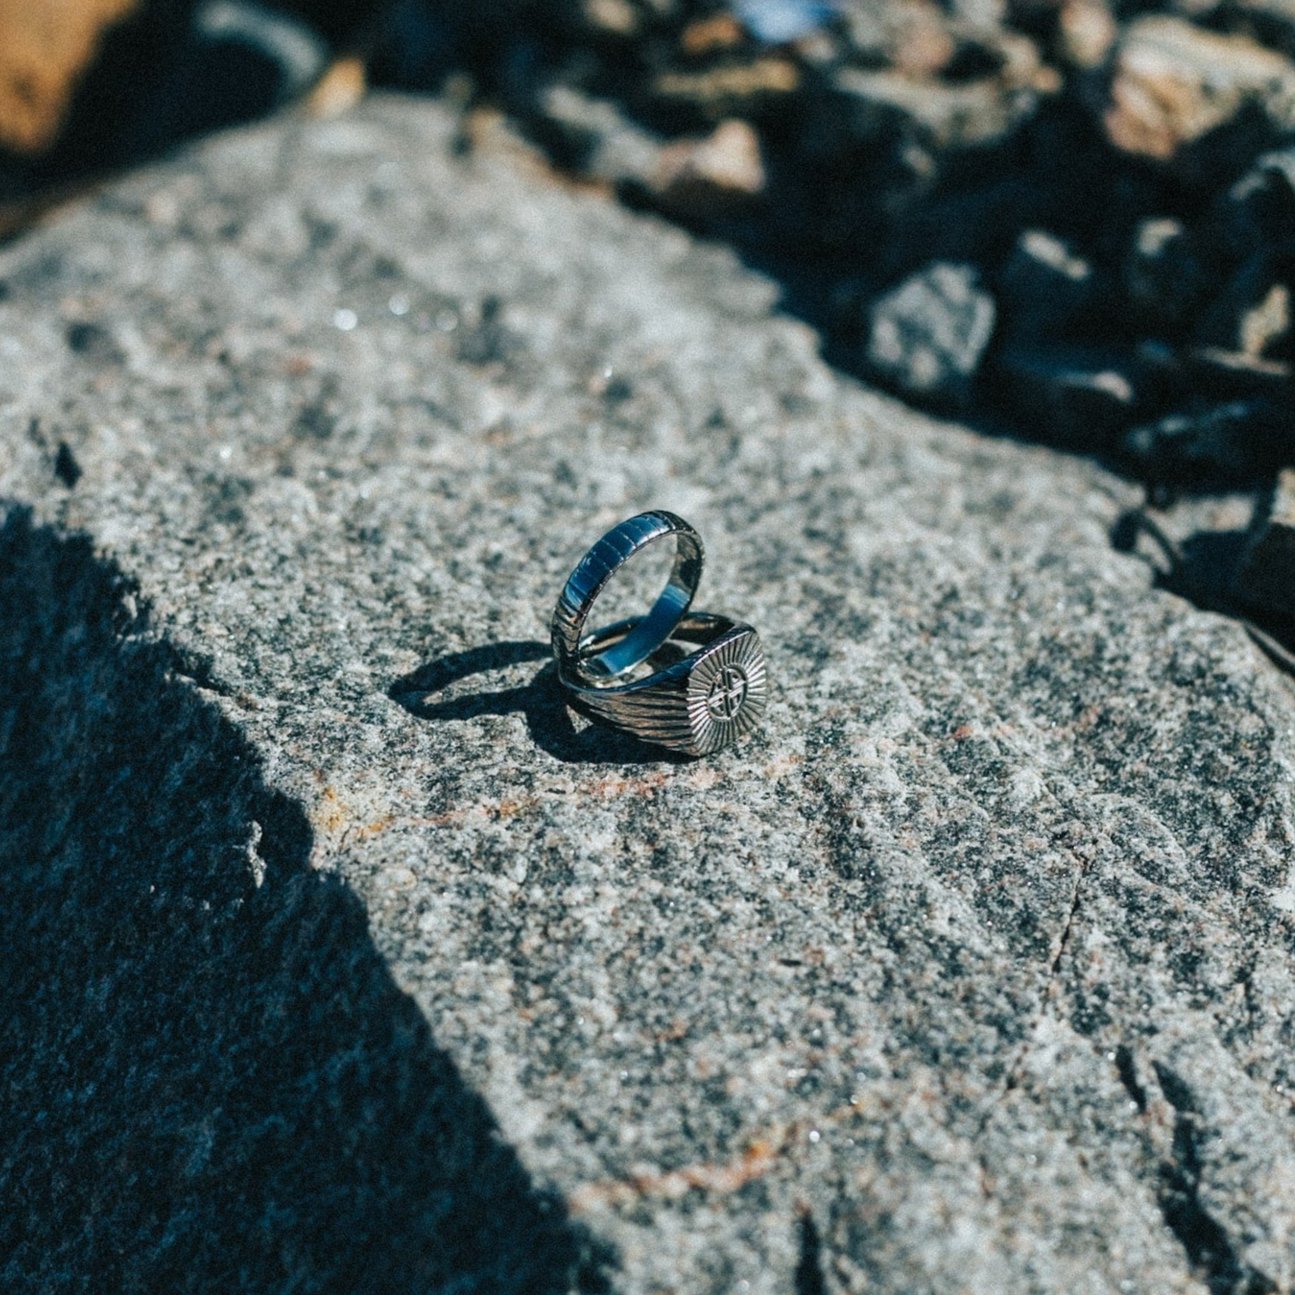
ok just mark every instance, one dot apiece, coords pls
pixel 637 675
pixel 596 568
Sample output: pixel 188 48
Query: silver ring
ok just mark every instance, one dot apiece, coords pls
pixel 639 675
pixel 596 568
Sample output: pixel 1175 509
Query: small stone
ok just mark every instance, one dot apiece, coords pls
pixel 1087 29
pixel 929 335
pixel 1213 443
pixel 746 89
pixel 923 45
pixel 612 17
pixel 1267 322
pixel 1266 576
pixel 289 47
pixel 1163 277
pixel 1253 314
pixel 1174 83
pixel 1227 375
pixel 1066 396
pixel 868 106
pixel 341 87
pixel 711 35
pixel 872 35
pixel 776 22
pixel 705 177
pixel 1045 287
pixel 1259 209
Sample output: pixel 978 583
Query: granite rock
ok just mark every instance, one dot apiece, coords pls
pixel 340 957
pixel 928 335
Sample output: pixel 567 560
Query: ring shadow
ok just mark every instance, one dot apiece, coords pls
pixel 540 702
pixel 211 1080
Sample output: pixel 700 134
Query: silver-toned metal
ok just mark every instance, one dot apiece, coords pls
pixel 596 568
pixel 694 703
pixel 639 675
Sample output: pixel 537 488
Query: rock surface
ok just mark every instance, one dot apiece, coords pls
pixel 972 971
pixel 1173 83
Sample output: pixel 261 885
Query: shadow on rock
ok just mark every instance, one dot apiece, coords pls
pixel 547 719
pixel 1205 569
pixel 211 1081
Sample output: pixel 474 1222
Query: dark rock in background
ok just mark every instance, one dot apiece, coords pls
pixel 928 335
pixel 1164 276
pixel 1222 444
pixel 1067 397
pixel 1253 315
pixel 1266 578
pixel 1046 291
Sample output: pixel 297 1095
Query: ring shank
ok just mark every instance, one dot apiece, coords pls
pixel 581 654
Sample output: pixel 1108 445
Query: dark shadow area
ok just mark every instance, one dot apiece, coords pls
pixel 211 1081
pixel 540 701
pixel 809 1270
pixel 1204 570
pixel 1206 1242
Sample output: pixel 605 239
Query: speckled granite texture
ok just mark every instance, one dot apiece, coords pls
pixel 337 957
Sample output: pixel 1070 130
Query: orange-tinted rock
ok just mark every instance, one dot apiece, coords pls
pixel 1174 83
pixel 703 177
pixel 1086 30
pixel 711 35
pixel 746 88
pixel 45 46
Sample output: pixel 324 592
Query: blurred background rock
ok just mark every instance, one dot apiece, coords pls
pixel 1070 218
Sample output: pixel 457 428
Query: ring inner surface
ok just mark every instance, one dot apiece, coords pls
pixel 693 630
pixel 656 627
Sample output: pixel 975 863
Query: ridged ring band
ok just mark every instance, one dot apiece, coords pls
pixel 596 568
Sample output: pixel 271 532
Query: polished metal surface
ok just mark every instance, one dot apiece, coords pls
pixel 589 579
pixel 688 682
pixel 697 704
